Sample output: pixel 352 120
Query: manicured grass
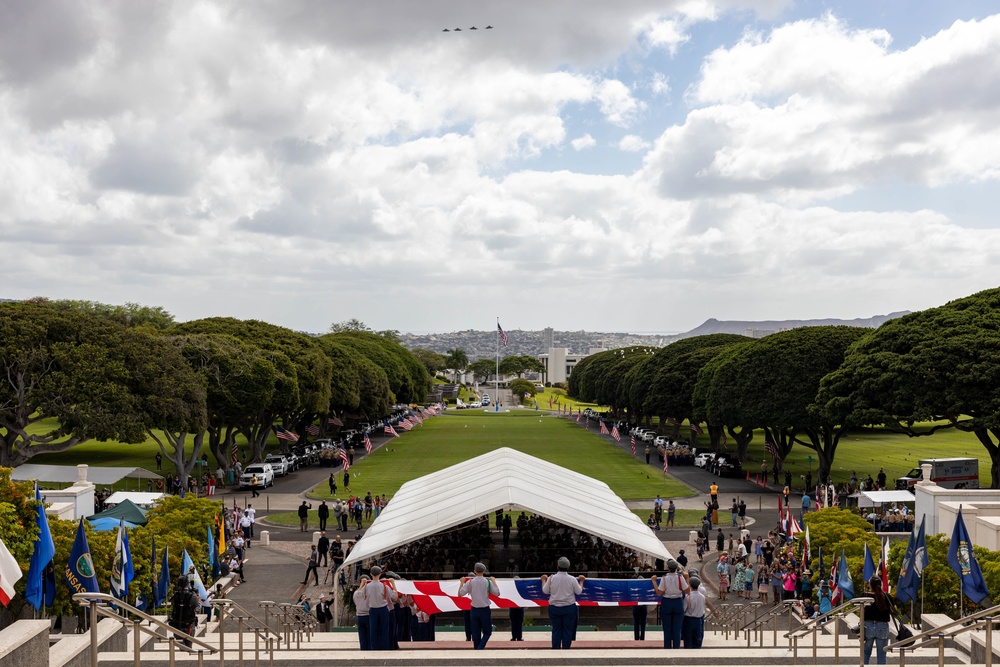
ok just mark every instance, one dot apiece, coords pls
pixel 558 397
pixel 458 436
pixel 865 451
pixel 682 518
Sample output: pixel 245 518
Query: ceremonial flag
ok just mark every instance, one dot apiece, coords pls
pixel 345 459
pixel 162 586
pixel 333 421
pixel 188 568
pixel 10 574
pixel 312 429
pixel 869 570
pixel 578 414
pixel 771 449
pixel 80 573
pixel 285 434
pixel 920 552
pixel 405 423
pixel 39 573
pixel 233 451
pixel 604 428
pixel 503 336
pixel 962 559
pixel 121 570
pixel 806 549
pixel 368 444
pixel 665 460
pixel 389 430
pixel 616 435
pixel 695 428
pixel 844 582
pixel 633 445
pixel 883 567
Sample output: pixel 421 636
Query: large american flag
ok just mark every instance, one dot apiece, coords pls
pixel 771 449
pixel 434 597
pixel 615 434
pixel 503 336
pixel 389 430
pixel 343 457
pixel 285 434
pixel 368 444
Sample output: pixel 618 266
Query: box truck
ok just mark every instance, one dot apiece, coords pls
pixel 954 473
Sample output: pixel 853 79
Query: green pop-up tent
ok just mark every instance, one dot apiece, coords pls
pixel 126 509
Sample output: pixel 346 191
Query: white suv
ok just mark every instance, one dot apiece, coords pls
pixel 264 473
pixel 486 400
pixel 279 463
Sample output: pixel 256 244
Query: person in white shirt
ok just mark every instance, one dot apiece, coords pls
pixel 562 589
pixel 693 629
pixel 379 595
pixel 479 589
pixel 672 588
pixel 361 607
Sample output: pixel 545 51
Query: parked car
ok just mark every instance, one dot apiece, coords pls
pixel 704 460
pixel 279 464
pixel 661 441
pixel 475 404
pixel 648 436
pixel 486 400
pixel 264 473
pixel 725 466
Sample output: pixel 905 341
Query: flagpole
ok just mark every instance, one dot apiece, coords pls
pixel 496 382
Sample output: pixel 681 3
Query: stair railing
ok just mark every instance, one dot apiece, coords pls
pixel 984 618
pixel 261 631
pixel 812 626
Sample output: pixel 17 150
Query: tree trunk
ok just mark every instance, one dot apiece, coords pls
pixel 986 439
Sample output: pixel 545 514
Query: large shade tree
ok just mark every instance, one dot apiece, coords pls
pixel 68 376
pixel 934 369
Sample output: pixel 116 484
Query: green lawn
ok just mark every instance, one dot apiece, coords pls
pixel 558 396
pixel 682 518
pixel 458 436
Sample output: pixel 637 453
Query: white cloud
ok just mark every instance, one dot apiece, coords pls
pixel 617 103
pixel 583 143
pixel 660 85
pixel 632 143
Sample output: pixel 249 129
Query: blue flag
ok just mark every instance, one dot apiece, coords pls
pixel 45 550
pixel 823 576
pixel 844 581
pixel 122 572
pixel 188 568
pixel 870 570
pixel 906 585
pixel 162 587
pixel 213 556
pixel 80 573
pixel 920 560
pixel 963 561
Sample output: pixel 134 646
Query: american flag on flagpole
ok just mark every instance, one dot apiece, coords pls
pixel 665 465
pixel 285 434
pixel 233 452
pixel 405 423
pixel 389 430
pixel 312 429
pixel 695 428
pixel 771 449
pixel 368 444
pixel 578 415
pixel 615 434
pixel 604 428
pixel 343 457
pixel 633 445
pixel 333 421
pixel 503 336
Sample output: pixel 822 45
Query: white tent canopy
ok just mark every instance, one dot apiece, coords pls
pixel 873 498
pixel 139 498
pixel 95 475
pixel 504 478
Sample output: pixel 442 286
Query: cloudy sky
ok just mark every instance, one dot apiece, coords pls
pixel 584 164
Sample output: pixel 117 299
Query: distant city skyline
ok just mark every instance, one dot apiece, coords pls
pixel 634 167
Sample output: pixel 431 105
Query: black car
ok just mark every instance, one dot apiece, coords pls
pixel 727 466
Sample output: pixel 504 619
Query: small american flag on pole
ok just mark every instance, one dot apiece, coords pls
pixel 334 421
pixel 233 451
pixel 345 459
pixel 406 424
pixel 633 445
pixel 503 336
pixel 604 428
pixel 312 429
pixel 285 434
pixel 695 428
pixel 771 449
pixel 389 430
pixel 368 444
pixel 578 415
pixel 665 459
pixel 615 434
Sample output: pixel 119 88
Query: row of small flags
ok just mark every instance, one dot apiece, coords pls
pixel 411 420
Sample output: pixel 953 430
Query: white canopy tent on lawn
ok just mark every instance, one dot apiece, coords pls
pixel 875 498
pixel 504 479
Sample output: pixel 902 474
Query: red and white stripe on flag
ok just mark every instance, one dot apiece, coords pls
pixel 10 573
pixel 604 428
pixel 368 444
pixel 633 445
pixel 615 434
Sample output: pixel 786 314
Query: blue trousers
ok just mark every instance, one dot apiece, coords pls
pixel 563 621
pixel 693 630
pixel 364 633
pixel 672 614
pixel 482 627
pixel 379 632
